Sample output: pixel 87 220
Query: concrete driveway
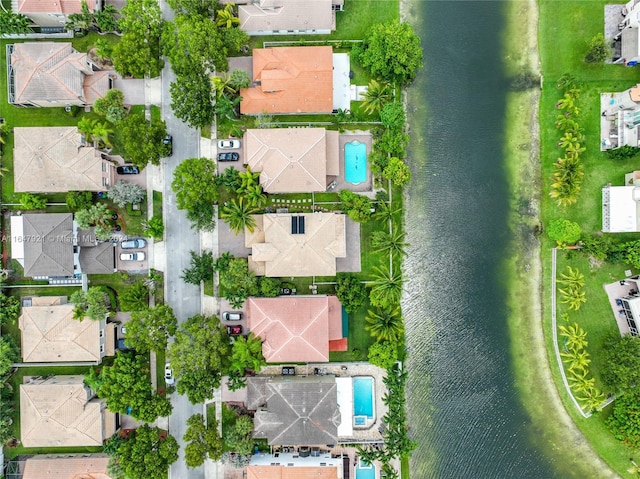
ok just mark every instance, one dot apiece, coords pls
pixel 133 266
pixel 229 241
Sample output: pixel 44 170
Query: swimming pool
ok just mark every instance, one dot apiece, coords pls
pixel 355 162
pixel 362 398
pixel 365 470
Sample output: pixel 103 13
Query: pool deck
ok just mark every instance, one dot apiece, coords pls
pixel 342 184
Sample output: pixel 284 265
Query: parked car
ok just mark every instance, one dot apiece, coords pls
pixel 123 328
pixel 232 316
pixel 234 330
pixel 128 170
pixel 228 157
pixel 135 243
pixel 168 142
pixel 121 346
pixel 229 144
pixel 137 256
pixel 168 375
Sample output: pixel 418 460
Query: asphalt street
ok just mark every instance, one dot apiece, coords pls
pixel 180 239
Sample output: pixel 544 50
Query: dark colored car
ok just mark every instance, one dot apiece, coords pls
pixel 228 156
pixel 168 142
pixel 128 170
pixel 234 330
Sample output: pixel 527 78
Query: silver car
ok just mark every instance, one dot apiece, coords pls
pixel 137 256
pixel 135 243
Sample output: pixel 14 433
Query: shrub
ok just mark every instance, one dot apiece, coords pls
pixel 598 50
pixel 29 201
pixel 564 231
pixel 623 153
pixel 79 200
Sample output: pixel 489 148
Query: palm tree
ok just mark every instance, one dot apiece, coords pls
pixel 86 127
pixel 385 211
pixel 226 18
pixel 567 102
pixel 592 399
pixel 392 242
pixel 573 298
pixel 576 336
pixel 247 354
pixel 376 96
pixel 574 149
pixel 385 324
pixel 387 287
pixel 581 382
pixel 568 139
pixel 101 132
pixel 237 214
pixel 255 196
pixel 572 277
pixel 3 170
pixel 567 81
pixel 578 360
pixel 248 178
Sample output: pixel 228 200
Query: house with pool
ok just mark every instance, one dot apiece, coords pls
pixel 305 160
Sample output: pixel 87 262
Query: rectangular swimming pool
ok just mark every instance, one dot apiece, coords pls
pixel 363 397
pixel 365 471
pixel 355 162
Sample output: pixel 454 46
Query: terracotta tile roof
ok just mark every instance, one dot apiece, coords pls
pixel 295 410
pixel 291 160
pixel 48 244
pixel 47 73
pixel 298 472
pixel 55 160
pixel 50 334
pixel 59 412
pixel 295 328
pixel 291 80
pixel 64 7
pixel 277 251
pixel 85 466
pixel 269 15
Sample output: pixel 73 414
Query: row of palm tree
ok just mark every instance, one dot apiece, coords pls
pixel 378 94
pixel 568 170
pixel 573 295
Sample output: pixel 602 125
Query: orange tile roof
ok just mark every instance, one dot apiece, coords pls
pixel 294 328
pixel 291 80
pixel 339 345
pixel 87 466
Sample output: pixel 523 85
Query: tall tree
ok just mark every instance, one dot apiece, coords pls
pixel 393 243
pixel 378 94
pixel 124 192
pixel 192 99
pixel 238 281
pixel 150 329
pixel 246 353
pixel 91 304
pixel 387 287
pixel 203 441
pixel 135 297
pixel 351 292
pixel 199 356
pixel 201 268
pixel 621 362
pixel 142 140
pixel 193 183
pixel 392 51
pixel 9 309
pixel 147 452
pixel 575 336
pixel 126 387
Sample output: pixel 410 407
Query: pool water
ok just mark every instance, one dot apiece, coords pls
pixel 363 397
pixel 365 471
pixel 355 162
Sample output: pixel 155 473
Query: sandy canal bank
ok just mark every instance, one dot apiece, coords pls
pixel 555 430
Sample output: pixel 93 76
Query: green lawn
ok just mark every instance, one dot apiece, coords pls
pixel 562 50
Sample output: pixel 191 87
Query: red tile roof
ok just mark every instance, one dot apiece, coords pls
pixel 54 6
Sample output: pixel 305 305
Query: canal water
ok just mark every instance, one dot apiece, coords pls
pixel 463 407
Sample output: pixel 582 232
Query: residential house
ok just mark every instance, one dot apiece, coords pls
pixel 296 410
pixel 57 159
pixel 49 334
pixel 286 17
pixel 295 80
pixel 628 36
pixel 61 411
pixel 296 328
pixel 53 74
pixel 292 160
pixel 65 466
pixel 300 244
pixel 624 297
pixel 52 13
pixel 49 245
pixel 621 206
pixel 620 119
pixel 290 465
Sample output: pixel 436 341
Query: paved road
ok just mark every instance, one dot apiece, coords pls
pixel 180 239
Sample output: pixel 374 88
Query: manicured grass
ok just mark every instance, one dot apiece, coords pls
pixel 562 50
pixel 157 203
pixel 116 281
pixel 160 361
